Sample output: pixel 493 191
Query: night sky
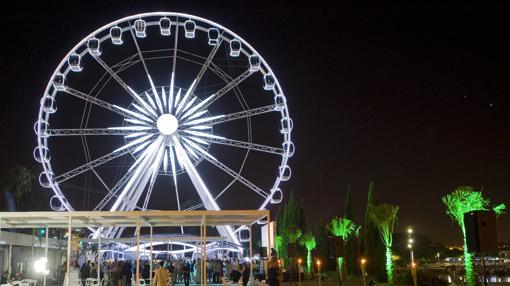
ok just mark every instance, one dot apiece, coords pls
pixel 414 98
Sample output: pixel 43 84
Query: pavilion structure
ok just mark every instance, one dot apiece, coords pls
pixel 137 220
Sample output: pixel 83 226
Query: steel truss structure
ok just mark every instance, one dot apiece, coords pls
pixel 167 129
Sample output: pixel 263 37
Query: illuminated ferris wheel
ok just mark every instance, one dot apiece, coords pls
pixel 158 110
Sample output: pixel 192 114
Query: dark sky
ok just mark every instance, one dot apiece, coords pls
pixel 414 98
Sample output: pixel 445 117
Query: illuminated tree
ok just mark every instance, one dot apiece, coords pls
pixel 372 246
pixel 308 241
pixel 465 199
pixel 19 181
pixel 351 246
pixel 499 209
pixel 278 241
pixel 384 217
pixel 290 218
pixel 345 228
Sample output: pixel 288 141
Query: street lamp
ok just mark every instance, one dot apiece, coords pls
pixel 410 242
pixel 363 271
pixel 319 270
pixel 299 270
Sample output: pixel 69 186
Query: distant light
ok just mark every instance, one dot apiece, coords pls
pixel 363 261
pixel 409 230
pixel 413 265
pixel 411 241
pixel 409 246
pixel 299 261
pixel 318 262
pixel 40 266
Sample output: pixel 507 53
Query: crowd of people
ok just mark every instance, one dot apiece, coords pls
pixel 167 272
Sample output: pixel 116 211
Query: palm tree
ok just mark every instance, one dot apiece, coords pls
pixel 465 199
pixel 308 241
pixel 18 181
pixel 345 228
pixel 384 217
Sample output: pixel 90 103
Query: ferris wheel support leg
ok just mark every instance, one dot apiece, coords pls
pixel 202 189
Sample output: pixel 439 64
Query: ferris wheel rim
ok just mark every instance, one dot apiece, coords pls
pixel 43 115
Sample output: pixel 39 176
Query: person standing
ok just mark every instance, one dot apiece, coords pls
pixel 185 273
pixel 173 273
pixel 84 272
pixel 160 276
pixel 235 275
pixel 127 273
pixel 93 270
pixel 273 272
pixel 245 272
pixel 228 265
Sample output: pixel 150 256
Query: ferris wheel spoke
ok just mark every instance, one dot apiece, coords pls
pixel 121 82
pixel 235 82
pixel 89 131
pixel 171 156
pixel 243 144
pixel 242 114
pixel 154 174
pixel 238 177
pixel 227 170
pixel 207 62
pixel 92 164
pixel 113 191
pixel 94 100
pixel 140 55
pixel 140 177
pixel 202 190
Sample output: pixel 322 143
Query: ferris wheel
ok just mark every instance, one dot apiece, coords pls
pixel 157 110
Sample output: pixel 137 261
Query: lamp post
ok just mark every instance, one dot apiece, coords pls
pixel 410 242
pixel 319 270
pixel 413 272
pixel 299 271
pixel 363 271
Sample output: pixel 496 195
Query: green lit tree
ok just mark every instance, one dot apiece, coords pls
pixel 19 181
pixel 384 217
pixel 290 218
pixel 372 246
pixel 465 199
pixel 351 246
pixel 345 228
pixel 499 209
pixel 278 241
pixel 308 241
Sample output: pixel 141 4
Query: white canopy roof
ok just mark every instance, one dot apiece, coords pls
pixel 130 218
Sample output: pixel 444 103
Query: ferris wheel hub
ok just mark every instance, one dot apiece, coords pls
pixel 167 124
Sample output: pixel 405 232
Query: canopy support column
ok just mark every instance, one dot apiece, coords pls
pixel 150 255
pixel 202 262
pixel 68 261
pixel 46 256
pixel 10 259
pixel 268 220
pixel 137 279
pixel 251 255
pixel 99 256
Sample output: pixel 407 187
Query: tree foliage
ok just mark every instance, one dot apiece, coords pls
pixel 384 217
pixel 19 181
pixel 462 200
pixel 308 241
pixel 343 227
pixel 291 220
pixel 351 246
pixel 373 247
